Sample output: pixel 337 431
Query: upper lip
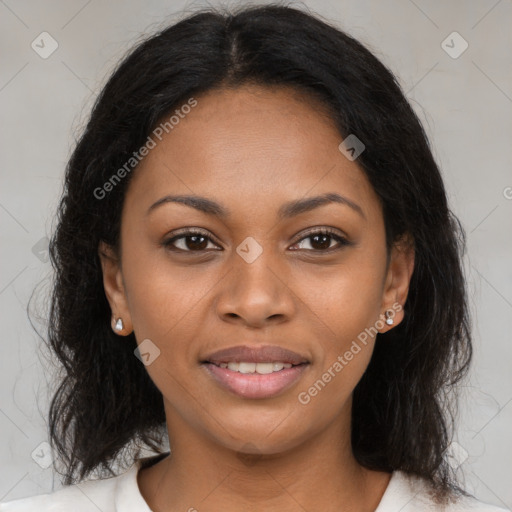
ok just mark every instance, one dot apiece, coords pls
pixel 253 354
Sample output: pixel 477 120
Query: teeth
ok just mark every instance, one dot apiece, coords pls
pixel 264 368
pixel 246 367
pixel 261 368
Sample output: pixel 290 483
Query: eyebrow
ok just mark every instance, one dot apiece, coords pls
pixel 287 210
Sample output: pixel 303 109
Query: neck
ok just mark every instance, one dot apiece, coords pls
pixel 320 473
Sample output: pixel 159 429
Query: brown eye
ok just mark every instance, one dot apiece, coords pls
pixel 320 241
pixel 189 241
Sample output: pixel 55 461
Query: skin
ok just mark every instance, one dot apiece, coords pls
pixel 252 149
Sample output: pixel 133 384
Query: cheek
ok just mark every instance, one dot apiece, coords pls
pixel 161 295
pixel 165 305
pixel 342 307
pixel 342 301
pixel 336 374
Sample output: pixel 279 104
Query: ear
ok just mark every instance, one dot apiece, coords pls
pixel 398 277
pixel 114 288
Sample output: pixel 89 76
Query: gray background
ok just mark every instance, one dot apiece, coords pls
pixel 465 104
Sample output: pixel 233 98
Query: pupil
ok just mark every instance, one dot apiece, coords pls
pixel 323 244
pixel 194 245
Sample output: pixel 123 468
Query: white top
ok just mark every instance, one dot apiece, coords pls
pixel 404 493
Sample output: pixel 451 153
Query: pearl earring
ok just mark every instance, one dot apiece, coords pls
pixel 389 320
pixel 119 325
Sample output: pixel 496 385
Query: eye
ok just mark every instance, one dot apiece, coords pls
pixel 320 241
pixel 194 240
pixel 189 241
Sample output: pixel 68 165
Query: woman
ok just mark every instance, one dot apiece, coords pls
pixel 255 260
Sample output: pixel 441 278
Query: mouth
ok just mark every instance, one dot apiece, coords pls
pixel 255 373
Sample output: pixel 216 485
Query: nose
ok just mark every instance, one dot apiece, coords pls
pixel 255 294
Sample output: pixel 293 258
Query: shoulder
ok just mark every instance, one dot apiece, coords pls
pixel 409 493
pixel 83 497
pixel 88 496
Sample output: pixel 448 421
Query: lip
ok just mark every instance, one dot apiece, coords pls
pixel 254 354
pixel 255 385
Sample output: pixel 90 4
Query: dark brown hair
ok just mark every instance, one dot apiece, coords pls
pixel 107 404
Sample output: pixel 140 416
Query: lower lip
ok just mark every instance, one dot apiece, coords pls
pixel 255 385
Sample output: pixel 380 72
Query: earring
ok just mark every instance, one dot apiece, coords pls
pixel 389 320
pixel 119 325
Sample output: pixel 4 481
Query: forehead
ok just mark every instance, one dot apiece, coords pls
pixel 251 143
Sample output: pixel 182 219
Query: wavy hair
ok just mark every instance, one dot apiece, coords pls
pixel 403 407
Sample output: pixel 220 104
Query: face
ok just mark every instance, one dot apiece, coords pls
pixel 262 267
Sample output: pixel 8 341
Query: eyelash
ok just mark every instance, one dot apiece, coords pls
pixel 322 231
